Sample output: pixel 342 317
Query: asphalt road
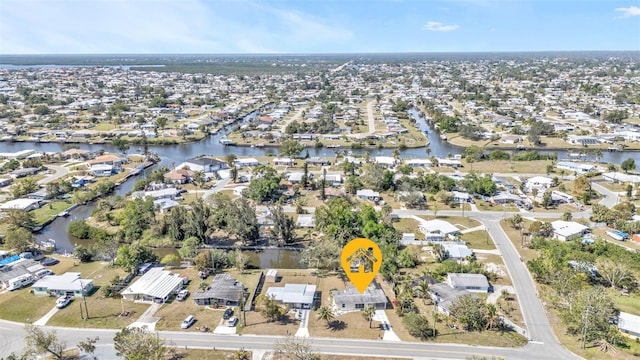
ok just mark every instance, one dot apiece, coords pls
pixel 60 172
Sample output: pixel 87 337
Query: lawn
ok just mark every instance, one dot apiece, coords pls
pixel 459 221
pixel 626 303
pixel 257 324
pixel 202 354
pixel 103 313
pixel 22 306
pixel 349 325
pixel 104 126
pixel 478 239
pixel 506 166
pixel 406 225
pixel 49 211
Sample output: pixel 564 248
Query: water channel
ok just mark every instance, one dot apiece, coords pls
pixel 175 154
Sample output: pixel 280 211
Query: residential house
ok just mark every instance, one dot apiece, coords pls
pixel 24 172
pixel 204 164
pixel 368 194
pixel 451 163
pixel 164 193
pixel 469 282
pixel 444 295
pixel 462 197
pixel 295 296
pixel 351 299
pixel 295 178
pixel 223 291
pixel 540 183
pixel 101 170
pixel 575 167
pixel 247 162
pixel 15 267
pixel 179 176
pixel 416 163
pixel 306 220
pixel 115 161
pixel 69 283
pixel 506 198
pixel 385 161
pixel 456 250
pixel 437 230
pixel 318 161
pixel 510 139
pixel 621 177
pixel 284 161
pixel 568 230
pixel 21 204
pixel 155 285
pixel 629 324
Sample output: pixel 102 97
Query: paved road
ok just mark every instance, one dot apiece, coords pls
pixel 295 117
pixel 219 186
pixel 370 118
pixel 60 172
pixel 609 198
pixel 13 336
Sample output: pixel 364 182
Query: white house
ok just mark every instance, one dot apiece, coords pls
pixel 386 161
pixel 462 197
pixel 456 250
pixel 469 282
pixel 621 177
pixel 629 324
pixel 568 230
pixel 414 163
pixel 204 164
pixel 295 296
pixel 306 220
pixel 351 299
pixel 21 204
pixel 68 283
pixel 247 162
pixel 539 182
pixel 155 284
pixel 368 194
pixel 437 230
pixel 575 167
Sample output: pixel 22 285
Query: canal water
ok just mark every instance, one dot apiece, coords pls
pixel 175 154
pixel 265 259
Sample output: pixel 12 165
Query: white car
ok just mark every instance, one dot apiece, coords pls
pixel 182 295
pixel 232 321
pixel 186 323
pixel 63 301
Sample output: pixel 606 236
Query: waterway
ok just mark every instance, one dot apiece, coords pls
pixel 175 154
pixel 264 259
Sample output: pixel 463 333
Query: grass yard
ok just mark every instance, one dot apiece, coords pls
pixel 626 303
pixel 510 307
pixel 103 313
pixel 258 324
pixel 507 166
pixel 514 235
pixel 349 325
pixel 478 239
pixel 203 354
pixel 50 210
pixel 22 306
pixel 459 221
pixel 406 225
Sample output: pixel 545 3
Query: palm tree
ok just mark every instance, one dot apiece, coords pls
pixel 325 313
pixel 368 313
pixel 198 177
pixel 492 316
pixel 423 288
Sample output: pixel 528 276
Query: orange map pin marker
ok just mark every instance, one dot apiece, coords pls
pixel 361 259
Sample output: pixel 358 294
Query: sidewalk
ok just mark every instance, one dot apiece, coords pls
pixel 43 320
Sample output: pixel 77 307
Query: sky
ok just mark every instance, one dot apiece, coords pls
pixel 315 26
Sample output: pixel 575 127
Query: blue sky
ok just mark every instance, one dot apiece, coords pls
pixel 315 26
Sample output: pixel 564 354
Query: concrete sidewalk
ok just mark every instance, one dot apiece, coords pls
pixel 43 320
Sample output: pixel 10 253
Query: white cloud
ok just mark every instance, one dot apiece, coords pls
pixel 161 26
pixel 438 26
pixel 629 12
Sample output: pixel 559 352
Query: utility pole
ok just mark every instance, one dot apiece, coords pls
pixel 586 324
pixel 435 313
pixel 84 300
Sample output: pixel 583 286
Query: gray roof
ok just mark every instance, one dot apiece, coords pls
pixel 69 281
pixel 223 287
pixel 445 295
pixel 350 295
pixel 293 293
pixel 468 280
pixel 17 268
pixel 156 282
pixel 457 250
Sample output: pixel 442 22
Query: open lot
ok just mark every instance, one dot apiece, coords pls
pixel 478 239
pixel 22 306
pixel 349 325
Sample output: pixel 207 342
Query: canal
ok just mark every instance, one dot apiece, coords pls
pixel 263 259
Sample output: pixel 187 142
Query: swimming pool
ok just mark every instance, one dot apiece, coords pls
pixel 10 259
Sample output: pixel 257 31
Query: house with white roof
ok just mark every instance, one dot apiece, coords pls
pixel 368 194
pixel 414 163
pixel 284 161
pixel 156 284
pixel 469 282
pixel 306 220
pixel 68 283
pixel 629 324
pixel 21 204
pixel 575 167
pixel 621 177
pixel 385 161
pixel 456 250
pixel 246 162
pixel 539 182
pixel 437 230
pixel 351 299
pixel 295 296
pixel 568 230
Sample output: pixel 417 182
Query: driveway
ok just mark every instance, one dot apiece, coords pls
pixel 303 330
pixel 223 329
pixel 389 334
pixel 43 320
pixel 147 319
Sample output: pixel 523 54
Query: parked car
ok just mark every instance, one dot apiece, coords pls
pixel 63 301
pixel 232 321
pixel 182 295
pixel 227 314
pixel 186 323
pixel 49 261
pixel 44 272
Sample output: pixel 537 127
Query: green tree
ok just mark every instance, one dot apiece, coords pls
pixel 283 231
pixel 567 216
pixel 264 186
pixel 293 348
pixel 628 165
pixel 418 326
pixel 170 260
pixel 589 314
pixel 15 218
pixel 470 311
pixel 290 148
pixel 189 248
pixel 139 344
pixel 368 313
pixel 325 314
pixel 161 122
pixel 130 256
pixel 19 239
pixel 121 144
pixel 23 187
pixel 243 222
pixel 203 261
pixel 269 308
pixel 241 260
